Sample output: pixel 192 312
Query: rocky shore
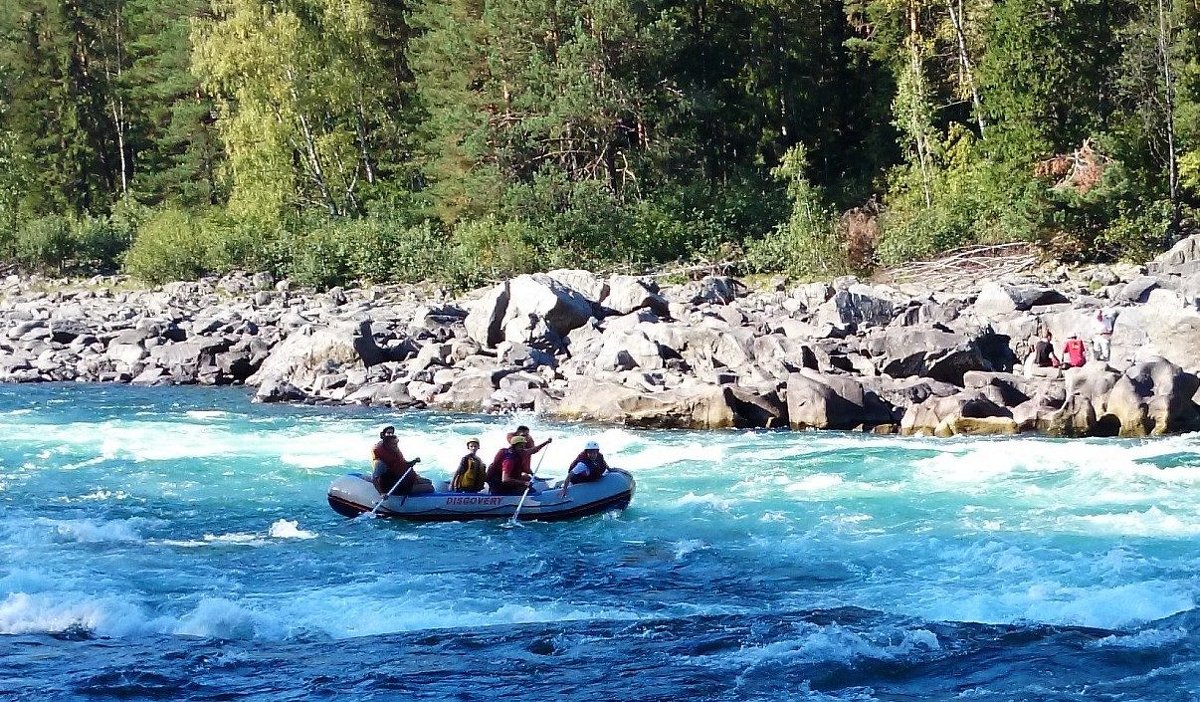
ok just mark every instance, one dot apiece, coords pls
pixel 710 353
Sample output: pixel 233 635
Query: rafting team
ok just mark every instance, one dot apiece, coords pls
pixel 508 474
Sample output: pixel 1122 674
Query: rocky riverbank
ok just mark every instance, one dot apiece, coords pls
pixel 710 353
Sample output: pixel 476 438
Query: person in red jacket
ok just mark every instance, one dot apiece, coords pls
pixel 1073 356
pixel 509 473
pixel 392 474
pixel 530 447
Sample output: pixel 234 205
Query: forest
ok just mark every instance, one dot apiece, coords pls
pixel 459 141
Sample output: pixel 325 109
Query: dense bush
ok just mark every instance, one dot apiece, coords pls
pixel 486 249
pixel 100 241
pixel 1108 221
pixel 169 245
pixel 242 243
pixel 807 244
pixel 970 201
pixel 44 243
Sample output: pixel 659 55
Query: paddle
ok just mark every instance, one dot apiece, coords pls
pixel 389 492
pixel 526 493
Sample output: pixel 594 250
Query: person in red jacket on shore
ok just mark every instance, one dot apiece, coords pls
pixel 1073 354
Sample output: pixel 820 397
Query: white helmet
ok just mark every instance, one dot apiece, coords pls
pixel 591 446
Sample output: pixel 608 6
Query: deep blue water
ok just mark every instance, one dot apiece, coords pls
pixel 176 544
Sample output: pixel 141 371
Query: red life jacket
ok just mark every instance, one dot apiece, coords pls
pixel 596 467
pixel 495 468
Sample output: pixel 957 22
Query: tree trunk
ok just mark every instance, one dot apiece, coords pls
pixel 966 67
pixel 1165 40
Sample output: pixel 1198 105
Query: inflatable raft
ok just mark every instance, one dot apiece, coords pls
pixel 353 494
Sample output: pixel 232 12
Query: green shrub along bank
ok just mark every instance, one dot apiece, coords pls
pixel 537 228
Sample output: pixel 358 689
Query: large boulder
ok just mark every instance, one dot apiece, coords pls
pixel 485 316
pixel 691 406
pixel 902 393
pixel 940 416
pixel 589 284
pixel 1139 289
pixel 1153 398
pixel 977 426
pixel 541 297
pixel 857 307
pixel 1076 417
pixel 1166 325
pixel 996 299
pixel 628 293
pixel 821 401
pixel 470 392
pixel 1006 389
pixel 1183 259
pixel 308 354
pixel 928 352
pixel 628 350
pixel 1092 383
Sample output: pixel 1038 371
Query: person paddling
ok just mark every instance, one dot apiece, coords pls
pixel 391 468
pixel 508 474
pixel 531 447
pixel 471 472
pixel 589 466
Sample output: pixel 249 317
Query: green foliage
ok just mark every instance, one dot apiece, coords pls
pixel 1110 221
pixel 100 241
pixel 1048 74
pixel 807 245
pixel 44 243
pixel 486 249
pixel 463 141
pixel 343 251
pixel 308 89
pixel 971 201
pixel 62 244
pixel 170 245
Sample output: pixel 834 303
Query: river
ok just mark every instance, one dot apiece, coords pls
pixel 175 543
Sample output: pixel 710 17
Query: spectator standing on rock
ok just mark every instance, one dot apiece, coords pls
pixel 1073 356
pixel 1106 318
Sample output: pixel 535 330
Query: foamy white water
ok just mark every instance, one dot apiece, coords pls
pixel 134 513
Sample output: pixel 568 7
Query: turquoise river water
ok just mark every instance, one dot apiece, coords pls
pixel 176 544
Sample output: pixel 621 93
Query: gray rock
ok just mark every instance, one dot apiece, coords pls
pixel 996 299
pixel 821 401
pixel 1138 290
pixel 856 309
pixel 937 415
pixel 1182 259
pixel 928 352
pixel 629 350
pixel 470 392
pixel 539 296
pixel 1154 397
pixel 486 316
pixel 129 354
pixel 628 293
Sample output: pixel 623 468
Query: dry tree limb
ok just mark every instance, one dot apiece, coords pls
pixel 965 267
